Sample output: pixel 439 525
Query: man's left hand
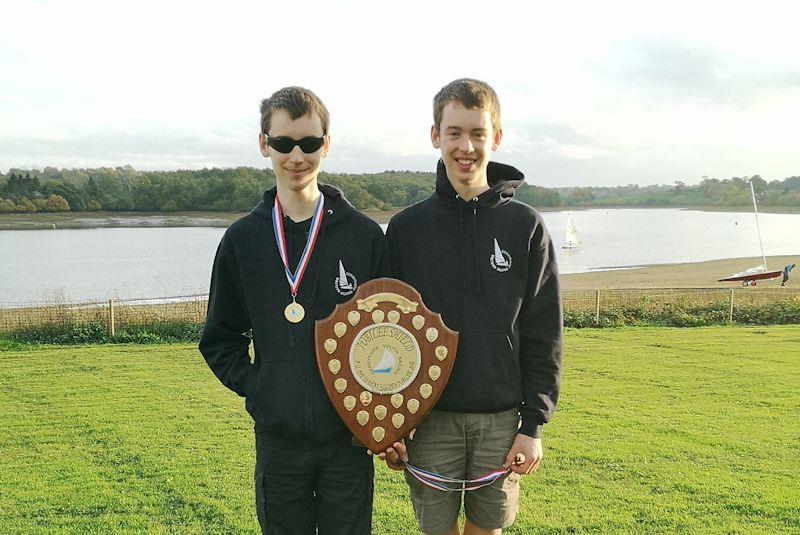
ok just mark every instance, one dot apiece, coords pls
pixel 531 453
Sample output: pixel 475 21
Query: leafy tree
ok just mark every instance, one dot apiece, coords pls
pixel 69 192
pixel 7 206
pixel 25 205
pixel 579 197
pixel 19 186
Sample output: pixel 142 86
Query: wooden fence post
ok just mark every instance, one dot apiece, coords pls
pixel 111 327
pixel 597 307
pixel 730 312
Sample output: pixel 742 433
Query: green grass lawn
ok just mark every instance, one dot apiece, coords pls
pixel 658 430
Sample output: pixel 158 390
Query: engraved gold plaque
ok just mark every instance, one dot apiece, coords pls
pixel 330 345
pixel 425 390
pixel 397 400
pixel 432 334
pixel 340 385
pixel 434 372
pixel 398 419
pixel 366 398
pixel 339 329
pixel 362 417
pixel 384 357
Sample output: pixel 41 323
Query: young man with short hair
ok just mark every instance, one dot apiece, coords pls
pixel 487 264
pixel 301 251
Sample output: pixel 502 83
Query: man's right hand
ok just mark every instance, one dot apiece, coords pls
pixel 396 456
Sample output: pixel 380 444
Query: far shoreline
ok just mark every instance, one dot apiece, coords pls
pixel 681 275
pixel 92 220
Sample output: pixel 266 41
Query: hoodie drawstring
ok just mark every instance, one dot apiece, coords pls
pixel 478 290
pixel 461 249
pixel 475 245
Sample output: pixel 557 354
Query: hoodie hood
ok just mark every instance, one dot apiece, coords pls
pixel 336 206
pixel 503 180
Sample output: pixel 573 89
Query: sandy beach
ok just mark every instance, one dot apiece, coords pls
pixel 694 275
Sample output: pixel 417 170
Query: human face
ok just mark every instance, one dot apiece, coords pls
pixel 296 170
pixel 466 138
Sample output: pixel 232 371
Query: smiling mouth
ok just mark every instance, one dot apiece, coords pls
pixel 465 164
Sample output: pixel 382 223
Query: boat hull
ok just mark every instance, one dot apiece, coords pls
pixel 767 275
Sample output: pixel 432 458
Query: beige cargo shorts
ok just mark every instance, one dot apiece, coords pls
pixel 464 446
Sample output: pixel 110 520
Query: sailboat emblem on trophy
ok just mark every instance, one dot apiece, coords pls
pixel 386 362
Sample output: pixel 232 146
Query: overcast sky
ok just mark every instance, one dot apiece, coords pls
pixel 593 93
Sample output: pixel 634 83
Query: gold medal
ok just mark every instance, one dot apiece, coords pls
pixel 294 312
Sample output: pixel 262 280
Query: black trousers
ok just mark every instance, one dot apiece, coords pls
pixel 309 488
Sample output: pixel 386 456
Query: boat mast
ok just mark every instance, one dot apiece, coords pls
pixel 758 227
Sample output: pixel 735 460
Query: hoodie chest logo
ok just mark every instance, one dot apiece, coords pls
pixel 500 260
pixel 346 282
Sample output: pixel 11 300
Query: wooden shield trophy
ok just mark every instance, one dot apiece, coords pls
pixel 384 359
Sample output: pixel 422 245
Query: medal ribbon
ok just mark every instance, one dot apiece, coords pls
pixel 449 484
pixel 280 238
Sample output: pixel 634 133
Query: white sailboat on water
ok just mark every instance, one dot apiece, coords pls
pixel 571 241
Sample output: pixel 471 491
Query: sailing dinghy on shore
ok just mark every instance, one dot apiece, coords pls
pixel 751 276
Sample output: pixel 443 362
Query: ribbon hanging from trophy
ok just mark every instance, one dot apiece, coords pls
pixel 449 484
pixel 294 311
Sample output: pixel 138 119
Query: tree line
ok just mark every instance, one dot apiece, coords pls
pixel 709 192
pixel 239 189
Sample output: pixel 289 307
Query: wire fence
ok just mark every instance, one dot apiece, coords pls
pixel 589 306
pixel 113 314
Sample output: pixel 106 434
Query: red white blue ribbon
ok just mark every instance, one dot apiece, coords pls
pixel 449 484
pixel 280 238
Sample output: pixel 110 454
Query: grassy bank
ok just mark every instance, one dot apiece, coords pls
pixel 78 220
pixel 658 430
pixel 182 321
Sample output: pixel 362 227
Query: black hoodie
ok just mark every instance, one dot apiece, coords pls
pixel 488 266
pixel 283 390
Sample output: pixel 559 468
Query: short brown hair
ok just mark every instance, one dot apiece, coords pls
pixel 298 102
pixel 470 93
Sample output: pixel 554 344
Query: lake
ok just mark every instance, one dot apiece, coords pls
pixel 46 265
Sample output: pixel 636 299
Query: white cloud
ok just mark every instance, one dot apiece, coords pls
pixel 591 92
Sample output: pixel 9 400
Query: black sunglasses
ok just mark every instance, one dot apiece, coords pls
pixel 285 145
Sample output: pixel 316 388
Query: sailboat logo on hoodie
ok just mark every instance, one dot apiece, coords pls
pixel 500 260
pixel 346 282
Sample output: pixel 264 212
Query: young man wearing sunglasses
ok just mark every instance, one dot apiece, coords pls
pixel 301 251
pixel 487 264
